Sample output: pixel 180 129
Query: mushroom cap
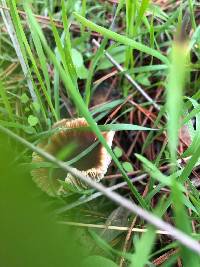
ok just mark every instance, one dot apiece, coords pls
pixel 93 164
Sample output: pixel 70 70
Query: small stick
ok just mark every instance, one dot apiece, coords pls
pixel 111 227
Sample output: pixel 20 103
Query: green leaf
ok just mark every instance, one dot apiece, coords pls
pixel 77 58
pixel 127 166
pixel 106 106
pixel 118 152
pixel 156 173
pixel 27 109
pixel 6 102
pixel 140 259
pixel 82 72
pixel 32 120
pixel 143 79
pixel 36 106
pixel 24 98
pixel 147 241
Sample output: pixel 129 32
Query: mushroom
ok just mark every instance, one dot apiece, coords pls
pixel 93 164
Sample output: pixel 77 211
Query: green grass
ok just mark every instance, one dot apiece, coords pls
pixel 49 72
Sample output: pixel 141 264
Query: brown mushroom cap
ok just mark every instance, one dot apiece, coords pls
pixel 93 165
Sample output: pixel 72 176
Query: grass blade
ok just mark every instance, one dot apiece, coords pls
pixel 121 39
pixel 6 101
pixel 175 93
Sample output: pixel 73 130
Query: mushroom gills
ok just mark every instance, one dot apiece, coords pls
pixel 75 134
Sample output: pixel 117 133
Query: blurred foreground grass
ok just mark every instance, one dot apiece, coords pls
pixel 29 233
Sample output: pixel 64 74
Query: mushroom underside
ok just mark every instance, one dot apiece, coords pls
pixel 93 164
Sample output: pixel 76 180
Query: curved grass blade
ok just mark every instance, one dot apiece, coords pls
pixel 121 39
pixel 124 127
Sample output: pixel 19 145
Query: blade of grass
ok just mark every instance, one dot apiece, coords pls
pixel 121 39
pixel 67 43
pixel 174 104
pixel 130 20
pixel 6 102
pixel 143 7
pixel 156 174
pixel 92 68
pixel 65 40
pixel 42 59
pixel 146 242
pixel 145 245
pixel 65 57
pixel 183 223
pixel 83 13
pixel 123 127
pixel 191 163
pixel 191 5
pixel 175 94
